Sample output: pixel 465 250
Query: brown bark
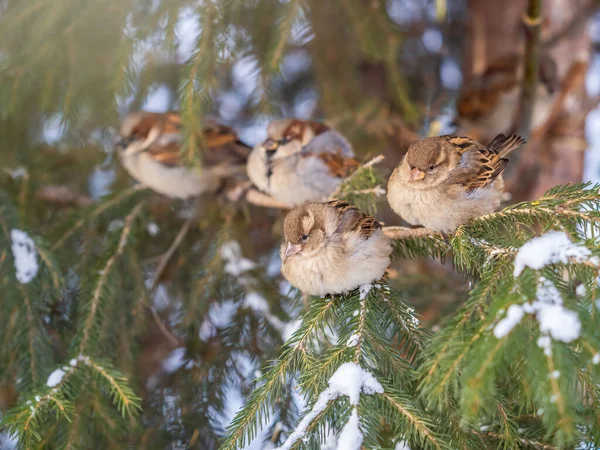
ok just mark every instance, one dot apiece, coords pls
pixel 554 154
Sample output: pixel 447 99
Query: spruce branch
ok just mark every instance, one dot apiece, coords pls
pixel 101 283
pixel 403 408
pixel 158 274
pixel 360 170
pixel 256 412
pixel 260 199
pixel 285 28
pixel 120 393
pixel 95 211
pixel 396 232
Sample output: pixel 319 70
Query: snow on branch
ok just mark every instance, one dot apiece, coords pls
pixel 349 380
pixel 25 256
pixel 551 248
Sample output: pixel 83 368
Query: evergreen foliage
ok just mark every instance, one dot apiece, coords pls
pixel 154 324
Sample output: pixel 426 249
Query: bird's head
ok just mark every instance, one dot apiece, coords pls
pixel 428 161
pixel 288 136
pixel 305 230
pixel 139 130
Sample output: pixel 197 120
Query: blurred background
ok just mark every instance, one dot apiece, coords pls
pixel 383 72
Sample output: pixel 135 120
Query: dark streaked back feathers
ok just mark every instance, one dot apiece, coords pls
pixel 353 219
pixel 479 165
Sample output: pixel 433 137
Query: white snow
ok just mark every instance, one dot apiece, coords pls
pixel 580 290
pixel 513 316
pixel 153 229
pixel 551 248
pixel 348 380
pixel 596 358
pixel 290 328
pixel 402 445
pixel 23 249
pixel 353 340
pixel 350 437
pixel 116 224
pixel 554 375
pixel 8 441
pixel 554 319
pixel 17 173
pixel 174 361
pixel 235 263
pixel 257 303
pixel 561 323
pixel 364 290
pixel 545 343
pixel 55 378
pixel 219 316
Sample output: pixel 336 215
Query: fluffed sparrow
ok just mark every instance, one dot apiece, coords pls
pixel 332 247
pixel 301 161
pixel 150 152
pixel 445 181
pixel 488 103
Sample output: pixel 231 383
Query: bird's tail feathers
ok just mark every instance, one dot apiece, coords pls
pixel 503 145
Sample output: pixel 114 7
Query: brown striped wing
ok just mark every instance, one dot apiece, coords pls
pixel 353 219
pixel 222 144
pixel 479 165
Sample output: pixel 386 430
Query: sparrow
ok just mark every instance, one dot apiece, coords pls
pixel 332 248
pixel 488 103
pixel 300 161
pixel 445 181
pixel 150 152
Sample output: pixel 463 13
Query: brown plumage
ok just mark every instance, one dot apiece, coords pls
pixel 445 181
pixel 353 219
pixel 222 142
pixel 300 161
pixel 480 164
pixel 332 247
pixel 152 154
pixel 338 165
pixel 487 104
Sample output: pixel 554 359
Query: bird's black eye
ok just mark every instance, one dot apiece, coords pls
pixel 304 238
pixel 431 168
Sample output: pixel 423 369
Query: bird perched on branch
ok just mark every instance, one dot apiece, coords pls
pixel 150 152
pixel 445 181
pixel 333 247
pixel 300 161
pixel 489 102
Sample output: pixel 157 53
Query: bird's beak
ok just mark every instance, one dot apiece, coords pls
pixel 416 174
pixel 291 249
pixel 122 143
pixel 270 145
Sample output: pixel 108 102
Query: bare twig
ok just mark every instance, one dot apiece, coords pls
pixel 159 271
pixel 377 191
pixel 533 22
pixel 366 165
pixel 408 233
pixel 258 198
pixel 167 256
